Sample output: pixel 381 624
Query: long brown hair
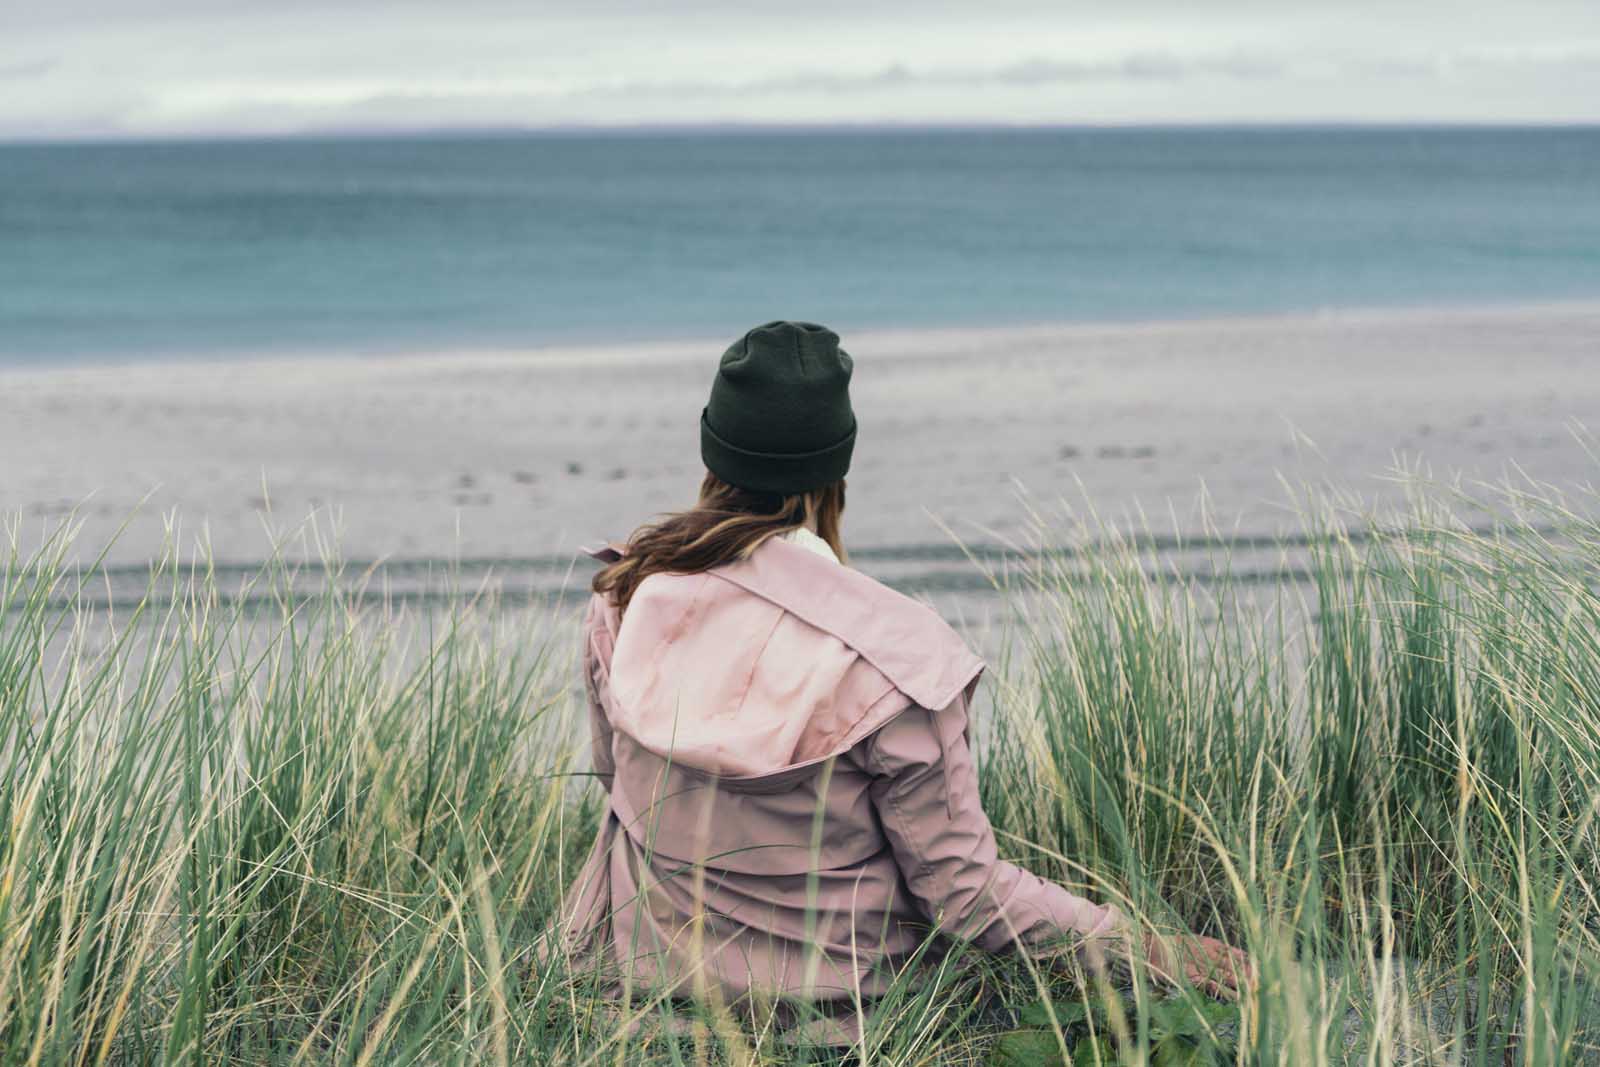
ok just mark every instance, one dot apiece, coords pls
pixel 725 524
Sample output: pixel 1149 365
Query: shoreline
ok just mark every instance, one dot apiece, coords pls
pixel 890 338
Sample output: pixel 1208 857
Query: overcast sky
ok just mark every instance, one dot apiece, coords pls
pixel 72 68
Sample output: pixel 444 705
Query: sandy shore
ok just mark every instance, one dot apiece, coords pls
pixel 526 455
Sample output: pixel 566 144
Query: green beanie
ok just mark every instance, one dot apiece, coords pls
pixel 779 420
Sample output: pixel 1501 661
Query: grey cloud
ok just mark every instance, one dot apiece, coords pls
pixel 1227 87
pixel 133 67
pixel 1576 57
pixel 1158 66
pixel 1142 66
pixel 20 71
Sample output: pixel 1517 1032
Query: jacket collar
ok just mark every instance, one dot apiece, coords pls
pixel 916 650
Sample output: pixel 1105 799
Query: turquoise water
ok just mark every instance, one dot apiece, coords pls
pixel 132 250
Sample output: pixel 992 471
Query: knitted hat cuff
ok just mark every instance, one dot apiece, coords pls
pixel 774 472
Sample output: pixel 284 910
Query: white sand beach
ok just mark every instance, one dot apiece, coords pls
pixel 529 454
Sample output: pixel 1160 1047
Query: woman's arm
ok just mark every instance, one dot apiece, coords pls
pixel 926 794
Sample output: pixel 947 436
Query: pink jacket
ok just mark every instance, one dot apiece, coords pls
pixel 792 797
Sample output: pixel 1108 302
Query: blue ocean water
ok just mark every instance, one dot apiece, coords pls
pixel 133 250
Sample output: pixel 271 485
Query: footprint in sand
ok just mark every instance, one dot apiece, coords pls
pixel 1123 452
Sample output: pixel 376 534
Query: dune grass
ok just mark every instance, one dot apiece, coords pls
pixel 285 828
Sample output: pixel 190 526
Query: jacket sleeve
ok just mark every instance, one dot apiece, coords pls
pixel 597 641
pixel 925 790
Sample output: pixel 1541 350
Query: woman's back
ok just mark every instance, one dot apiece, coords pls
pixel 793 800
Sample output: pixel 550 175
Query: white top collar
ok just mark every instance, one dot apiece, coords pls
pixel 803 537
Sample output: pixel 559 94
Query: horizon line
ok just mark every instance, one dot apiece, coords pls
pixel 737 128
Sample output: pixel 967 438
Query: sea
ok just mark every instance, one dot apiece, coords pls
pixel 221 249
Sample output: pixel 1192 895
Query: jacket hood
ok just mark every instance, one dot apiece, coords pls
pixel 778 660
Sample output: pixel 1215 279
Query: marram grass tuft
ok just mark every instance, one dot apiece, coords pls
pixel 289 822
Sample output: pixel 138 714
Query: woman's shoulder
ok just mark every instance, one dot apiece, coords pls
pixel 905 639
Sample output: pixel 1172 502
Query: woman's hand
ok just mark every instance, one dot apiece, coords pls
pixel 1217 968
